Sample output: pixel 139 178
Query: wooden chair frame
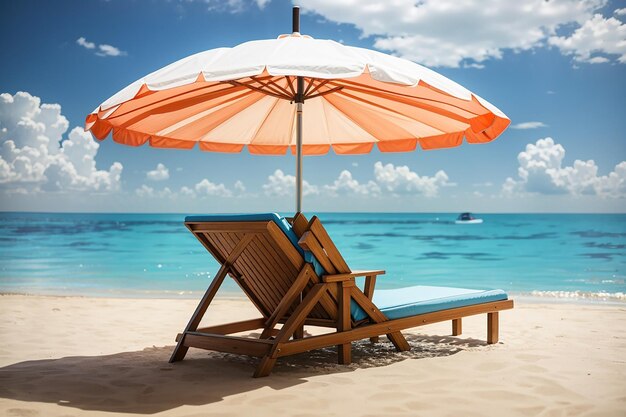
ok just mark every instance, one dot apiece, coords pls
pixel 307 299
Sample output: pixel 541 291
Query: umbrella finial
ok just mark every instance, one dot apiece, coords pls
pixel 296 19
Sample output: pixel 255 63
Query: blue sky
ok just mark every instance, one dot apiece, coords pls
pixel 563 68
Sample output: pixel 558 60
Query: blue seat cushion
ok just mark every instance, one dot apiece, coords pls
pixel 420 299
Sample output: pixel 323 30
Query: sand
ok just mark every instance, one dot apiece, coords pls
pixel 96 356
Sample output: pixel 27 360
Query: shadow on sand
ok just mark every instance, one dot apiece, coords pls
pixel 144 382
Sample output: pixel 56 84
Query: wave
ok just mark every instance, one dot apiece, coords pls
pixel 579 295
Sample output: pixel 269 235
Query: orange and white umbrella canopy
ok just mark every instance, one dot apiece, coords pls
pixel 254 96
pixel 226 99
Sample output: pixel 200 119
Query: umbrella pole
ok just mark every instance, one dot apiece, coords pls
pixel 299 101
pixel 298 155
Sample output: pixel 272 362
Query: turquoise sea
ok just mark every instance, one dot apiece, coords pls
pixel 580 256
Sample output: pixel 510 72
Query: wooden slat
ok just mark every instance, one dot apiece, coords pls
pixel 299 225
pixel 250 294
pixel 344 321
pixel 492 327
pixel 370 283
pixel 337 278
pixel 288 299
pixel 276 277
pixel 299 315
pixel 280 258
pixel 316 322
pixel 309 242
pixel 285 245
pixel 315 226
pixel 316 342
pixel 457 327
pixel 274 282
pixel 251 273
pixel 235 327
pixel 219 257
pixel 353 274
pixel 230 344
pixel 265 367
pixel 328 301
pixel 233 227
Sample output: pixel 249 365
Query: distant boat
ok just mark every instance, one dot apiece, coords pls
pixel 467 218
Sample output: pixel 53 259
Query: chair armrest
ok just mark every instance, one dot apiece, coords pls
pixel 351 275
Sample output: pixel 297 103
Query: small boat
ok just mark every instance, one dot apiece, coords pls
pixel 467 218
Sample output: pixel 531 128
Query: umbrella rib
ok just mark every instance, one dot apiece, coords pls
pixel 311 83
pixel 271 82
pixel 424 106
pixel 451 115
pixel 259 89
pixel 359 87
pixel 321 84
pixel 196 99
pixel 235 89
pixel 290 84
pixel 323 93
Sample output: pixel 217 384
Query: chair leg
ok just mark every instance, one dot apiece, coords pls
pixel 374 339
pixel 179 351
pixel 344 322
pixel 265 367
pixel 299 333
pixel 492 328
pixel 457 327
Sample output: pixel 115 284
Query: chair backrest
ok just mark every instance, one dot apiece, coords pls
pixel 270 262
pixel 315 239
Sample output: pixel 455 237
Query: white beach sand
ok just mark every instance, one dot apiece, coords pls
pixel 96 356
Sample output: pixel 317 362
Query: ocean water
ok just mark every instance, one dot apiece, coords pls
pixel 579 256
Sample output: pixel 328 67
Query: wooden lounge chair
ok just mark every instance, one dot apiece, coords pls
pixel 295 276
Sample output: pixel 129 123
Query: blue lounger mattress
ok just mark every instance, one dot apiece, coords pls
pixel 397 303
pixel 420 299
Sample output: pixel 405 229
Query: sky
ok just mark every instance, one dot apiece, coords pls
pixel 556 68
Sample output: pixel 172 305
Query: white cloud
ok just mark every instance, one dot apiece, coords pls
pixel 146 191
pixel 345 184
pixel 160 173
pixel 620 12
pixel 596 36
pixel 187 192
pixel 401 180
pixel 541 171
pixel 466 33
pixel 240 187
pixel 281 184
pixel 528 125
pixel 204 188
pixel 36 157
pixel 262 3
pixel 83 42
pixel 234 6
pixel 388 179
pixel 208 188
pixel 109 50
pixel 102 49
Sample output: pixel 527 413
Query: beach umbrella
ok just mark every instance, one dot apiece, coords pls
pixel 296 94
